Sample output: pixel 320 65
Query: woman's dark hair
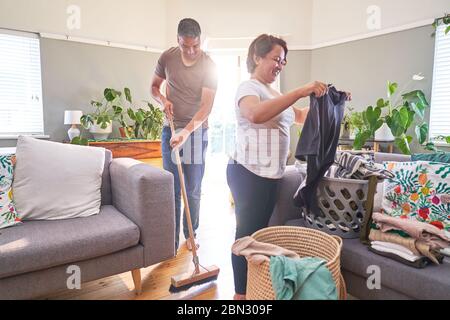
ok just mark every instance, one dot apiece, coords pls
pixel 260 47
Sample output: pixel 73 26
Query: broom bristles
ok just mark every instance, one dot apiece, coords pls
pixel 186 281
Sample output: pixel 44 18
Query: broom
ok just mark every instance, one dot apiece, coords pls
pixel 199 276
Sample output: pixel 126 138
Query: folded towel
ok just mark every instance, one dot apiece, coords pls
pixel 258 252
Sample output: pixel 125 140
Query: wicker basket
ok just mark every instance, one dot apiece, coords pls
pixel 306 243
pixel 342 205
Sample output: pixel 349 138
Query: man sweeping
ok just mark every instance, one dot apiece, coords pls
pixel 191 83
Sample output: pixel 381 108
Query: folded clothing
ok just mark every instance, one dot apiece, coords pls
pixel 416 247
pixel 419 264
pixel 431 235
pixel 395 249
pixel 258 252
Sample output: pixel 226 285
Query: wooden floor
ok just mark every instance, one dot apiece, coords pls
pixel 215 235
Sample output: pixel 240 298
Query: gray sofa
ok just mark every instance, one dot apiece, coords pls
pixel 134 229
pixel 398 281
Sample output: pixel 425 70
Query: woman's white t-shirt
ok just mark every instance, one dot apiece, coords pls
pixel 262 148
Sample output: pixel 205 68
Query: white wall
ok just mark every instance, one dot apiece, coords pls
pixel 141 22
pixel 303 23
pixel 247 19
pixel 335 20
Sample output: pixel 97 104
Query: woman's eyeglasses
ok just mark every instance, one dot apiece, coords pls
pixel 280 61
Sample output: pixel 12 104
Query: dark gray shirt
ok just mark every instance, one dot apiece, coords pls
pixel 184 84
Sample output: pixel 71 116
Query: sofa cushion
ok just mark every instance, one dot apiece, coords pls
pixel 443 157
pixel 8 214
pixel 57 181
pixel 432 282
pixel 419 191
pixel 36 245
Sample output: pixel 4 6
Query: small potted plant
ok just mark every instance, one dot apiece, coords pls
pixel 355 123
pixel 99 122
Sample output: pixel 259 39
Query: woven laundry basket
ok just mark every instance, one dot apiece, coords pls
pixel 306 243
pixel 342 207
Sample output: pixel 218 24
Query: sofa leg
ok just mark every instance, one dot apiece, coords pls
pixel 137 281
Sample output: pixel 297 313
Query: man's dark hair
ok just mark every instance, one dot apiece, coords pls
pixel 261 46
pixel 189 28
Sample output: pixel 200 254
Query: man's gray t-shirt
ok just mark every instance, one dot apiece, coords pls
pixel 184 84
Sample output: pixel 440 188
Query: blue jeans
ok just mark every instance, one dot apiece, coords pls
pixel 192 155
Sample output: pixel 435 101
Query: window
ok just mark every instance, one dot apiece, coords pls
pixel 440 99
pixel 21 110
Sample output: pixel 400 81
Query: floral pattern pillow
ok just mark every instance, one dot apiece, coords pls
pixel 420 190
pixel 8 214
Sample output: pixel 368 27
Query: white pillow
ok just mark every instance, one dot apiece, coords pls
pixel 54 181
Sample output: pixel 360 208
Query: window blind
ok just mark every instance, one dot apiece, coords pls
pixel 440 97
pixel 21 109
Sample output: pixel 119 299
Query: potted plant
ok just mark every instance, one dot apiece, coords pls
pixel 147 123
pixel 99 122
pixel 399 115
pixel 345 125
pixel 355 123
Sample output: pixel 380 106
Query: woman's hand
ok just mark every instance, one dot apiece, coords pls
pixel 318 88
pixel 349 96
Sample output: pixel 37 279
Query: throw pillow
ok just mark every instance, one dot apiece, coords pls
pixel 8 213
pixel 420 190
pixel 443 157
pixel 55 181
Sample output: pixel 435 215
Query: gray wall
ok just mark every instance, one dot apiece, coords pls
pixel 296 74
pixel 73 74
pixel 363 67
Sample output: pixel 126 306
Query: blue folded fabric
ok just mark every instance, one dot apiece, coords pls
pixel 302 279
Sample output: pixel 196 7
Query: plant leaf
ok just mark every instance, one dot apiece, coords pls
pixel 110 94
pixel 360 139
pixel 403 144
pixel 392 87
pixel 447 139
pixel 422 132
pixel 381 103
pixel 128 95
pixel 447 30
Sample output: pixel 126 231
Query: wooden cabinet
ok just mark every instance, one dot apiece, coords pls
pixel 143 150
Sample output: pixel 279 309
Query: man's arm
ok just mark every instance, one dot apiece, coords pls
pixel 199 118
pixel 158 96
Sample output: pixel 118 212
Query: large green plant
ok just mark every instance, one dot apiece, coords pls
pixel 147 123
pixel 107 110
pixel 400 114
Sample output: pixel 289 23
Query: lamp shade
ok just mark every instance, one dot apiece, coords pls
pixel 72 116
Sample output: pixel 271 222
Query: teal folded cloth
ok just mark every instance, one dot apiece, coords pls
pixel 302 279
pixel 443 157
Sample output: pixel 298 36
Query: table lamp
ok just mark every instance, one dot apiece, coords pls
pixel 72 117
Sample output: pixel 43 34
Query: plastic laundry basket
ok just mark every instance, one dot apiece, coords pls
pixel 342 204
pixel 306 243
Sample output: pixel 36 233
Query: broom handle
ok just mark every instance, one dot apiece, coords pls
pixel 185 201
